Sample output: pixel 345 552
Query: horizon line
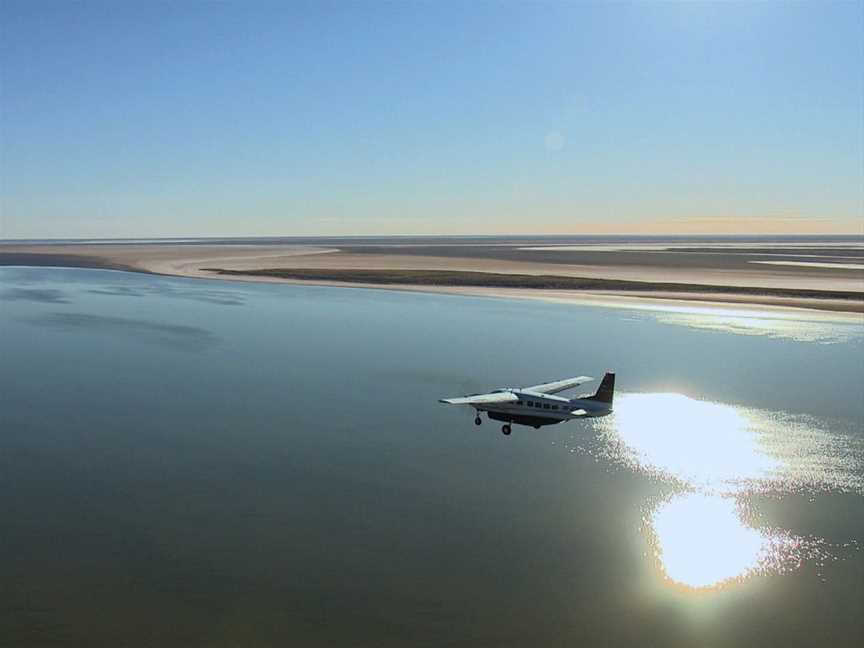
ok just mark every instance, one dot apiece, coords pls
pixel 424 236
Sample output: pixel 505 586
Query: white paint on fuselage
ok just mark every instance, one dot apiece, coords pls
pixel 546 406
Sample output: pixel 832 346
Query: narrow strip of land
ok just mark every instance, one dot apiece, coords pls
pixel 537 282
pixel 828 300
pixel 494 270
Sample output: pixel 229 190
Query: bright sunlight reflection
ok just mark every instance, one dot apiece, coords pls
pixel 702 542
pixel 718 455
pixel 723 448
pixel 704 444
pixel 825 329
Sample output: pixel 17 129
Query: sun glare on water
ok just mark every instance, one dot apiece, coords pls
pixel 702 542
pixel 726 449
pixel 824 328
pixel 708 445
pixel 717 455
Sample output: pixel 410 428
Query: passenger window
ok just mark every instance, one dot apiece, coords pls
pixel 545 405
pixel 554 407
pixel 530 403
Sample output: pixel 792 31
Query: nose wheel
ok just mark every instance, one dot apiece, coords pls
pixel 505 429
pixel 477 420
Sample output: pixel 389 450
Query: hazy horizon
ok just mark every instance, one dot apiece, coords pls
pixel 559 238
pixel 371 119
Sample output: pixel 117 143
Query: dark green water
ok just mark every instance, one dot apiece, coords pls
pixel 200 463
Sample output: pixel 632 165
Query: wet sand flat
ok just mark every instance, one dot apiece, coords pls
pixel 721 272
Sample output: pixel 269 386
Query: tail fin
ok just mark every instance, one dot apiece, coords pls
pixel 606 390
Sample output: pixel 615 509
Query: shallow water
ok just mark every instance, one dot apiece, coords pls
pixel 193 462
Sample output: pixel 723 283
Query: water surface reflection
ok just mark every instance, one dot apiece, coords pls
pixel 823 328
pixel 725 448
pixel 715 456
pixel 702 541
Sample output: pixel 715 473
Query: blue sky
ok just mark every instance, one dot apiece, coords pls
pixel 255 118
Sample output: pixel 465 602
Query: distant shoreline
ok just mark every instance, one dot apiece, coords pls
pixel 686 276
pixel 491 280
pixel 456 279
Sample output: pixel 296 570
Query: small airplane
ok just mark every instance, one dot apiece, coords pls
pixel 536 405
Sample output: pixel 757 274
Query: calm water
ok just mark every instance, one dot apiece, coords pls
pixel 199 463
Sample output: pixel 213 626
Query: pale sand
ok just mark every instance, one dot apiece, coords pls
pixel 743 304
pixel 188 261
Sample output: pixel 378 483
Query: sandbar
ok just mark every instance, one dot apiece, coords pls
pixel 728 275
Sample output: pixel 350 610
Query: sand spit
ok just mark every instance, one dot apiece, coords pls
pixel 478 270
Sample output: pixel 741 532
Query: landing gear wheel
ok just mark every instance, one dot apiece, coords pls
pixel 505 429
pixel 477 420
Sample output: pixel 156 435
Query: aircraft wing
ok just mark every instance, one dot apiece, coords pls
pixel 494 397
pixel 559 385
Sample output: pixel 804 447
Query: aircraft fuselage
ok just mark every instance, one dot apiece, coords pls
pixel 537 410
pixel 537 405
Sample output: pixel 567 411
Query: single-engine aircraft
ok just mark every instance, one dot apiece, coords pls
pixel 536 405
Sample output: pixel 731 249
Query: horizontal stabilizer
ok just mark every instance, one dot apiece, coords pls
pixel 559 385
pixel 494 397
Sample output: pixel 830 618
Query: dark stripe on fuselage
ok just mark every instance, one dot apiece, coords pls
pixel 533 421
